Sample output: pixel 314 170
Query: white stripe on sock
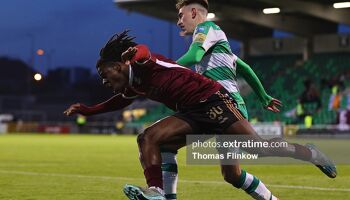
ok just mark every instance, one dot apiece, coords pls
pixel 261 192
pixel 273 198
pixel 248 180
pixel 170 182
pixel 170 179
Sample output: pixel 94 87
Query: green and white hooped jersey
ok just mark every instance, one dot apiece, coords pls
pixel 218 63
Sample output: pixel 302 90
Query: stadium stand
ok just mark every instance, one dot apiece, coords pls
pixel 287 84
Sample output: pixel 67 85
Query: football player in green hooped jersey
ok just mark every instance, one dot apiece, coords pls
pixel 211 54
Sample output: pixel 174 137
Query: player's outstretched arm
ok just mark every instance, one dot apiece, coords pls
pixel 116 102
pixel 249 75
pixel 193 56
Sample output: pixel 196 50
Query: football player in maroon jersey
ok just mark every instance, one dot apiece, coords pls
pixel 202 105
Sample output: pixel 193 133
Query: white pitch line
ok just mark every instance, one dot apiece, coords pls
pixel 28 165
pixel 183 181
pixel 310 188
pixel 69 175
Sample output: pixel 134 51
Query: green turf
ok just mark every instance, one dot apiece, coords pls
pixel 76 167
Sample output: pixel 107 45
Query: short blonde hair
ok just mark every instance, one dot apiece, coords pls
pixel 182 3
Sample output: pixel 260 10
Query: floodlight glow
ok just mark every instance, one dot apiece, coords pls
pixel 40 52
pixel 268 11
pixel 37 77
pixel 342 5
pixel 210 16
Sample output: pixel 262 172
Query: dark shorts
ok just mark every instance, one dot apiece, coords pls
pixel 213 115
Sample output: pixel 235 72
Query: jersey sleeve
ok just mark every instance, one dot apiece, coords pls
pixel 205 36
pixel 193 56
pixel 249 75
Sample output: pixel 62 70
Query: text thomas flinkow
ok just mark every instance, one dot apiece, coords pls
pixel 221 156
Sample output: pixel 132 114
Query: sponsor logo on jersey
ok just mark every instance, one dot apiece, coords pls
pixel 200 37
pixel 200 69
pixel 200 30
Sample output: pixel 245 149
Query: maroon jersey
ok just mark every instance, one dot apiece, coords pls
pixel 161 79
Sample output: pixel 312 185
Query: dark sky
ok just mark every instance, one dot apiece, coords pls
pixel 72 31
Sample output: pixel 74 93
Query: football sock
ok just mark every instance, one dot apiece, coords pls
pixel 169 171
pixel 301 152
pixel 254 187
pixel 153 176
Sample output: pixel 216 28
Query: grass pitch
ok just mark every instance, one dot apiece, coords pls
pixel 83 167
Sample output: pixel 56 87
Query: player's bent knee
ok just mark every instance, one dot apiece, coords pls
pixel 148 136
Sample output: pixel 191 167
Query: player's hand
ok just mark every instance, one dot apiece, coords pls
pixel 77 108
pixel 129 54
pixel 273 105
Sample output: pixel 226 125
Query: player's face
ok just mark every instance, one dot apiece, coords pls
pixel 113 77
pixel 186 20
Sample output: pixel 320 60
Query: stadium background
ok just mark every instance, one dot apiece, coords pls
pixel 301 55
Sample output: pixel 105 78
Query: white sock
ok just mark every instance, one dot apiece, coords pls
pixel 254 187
pixel 170 177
